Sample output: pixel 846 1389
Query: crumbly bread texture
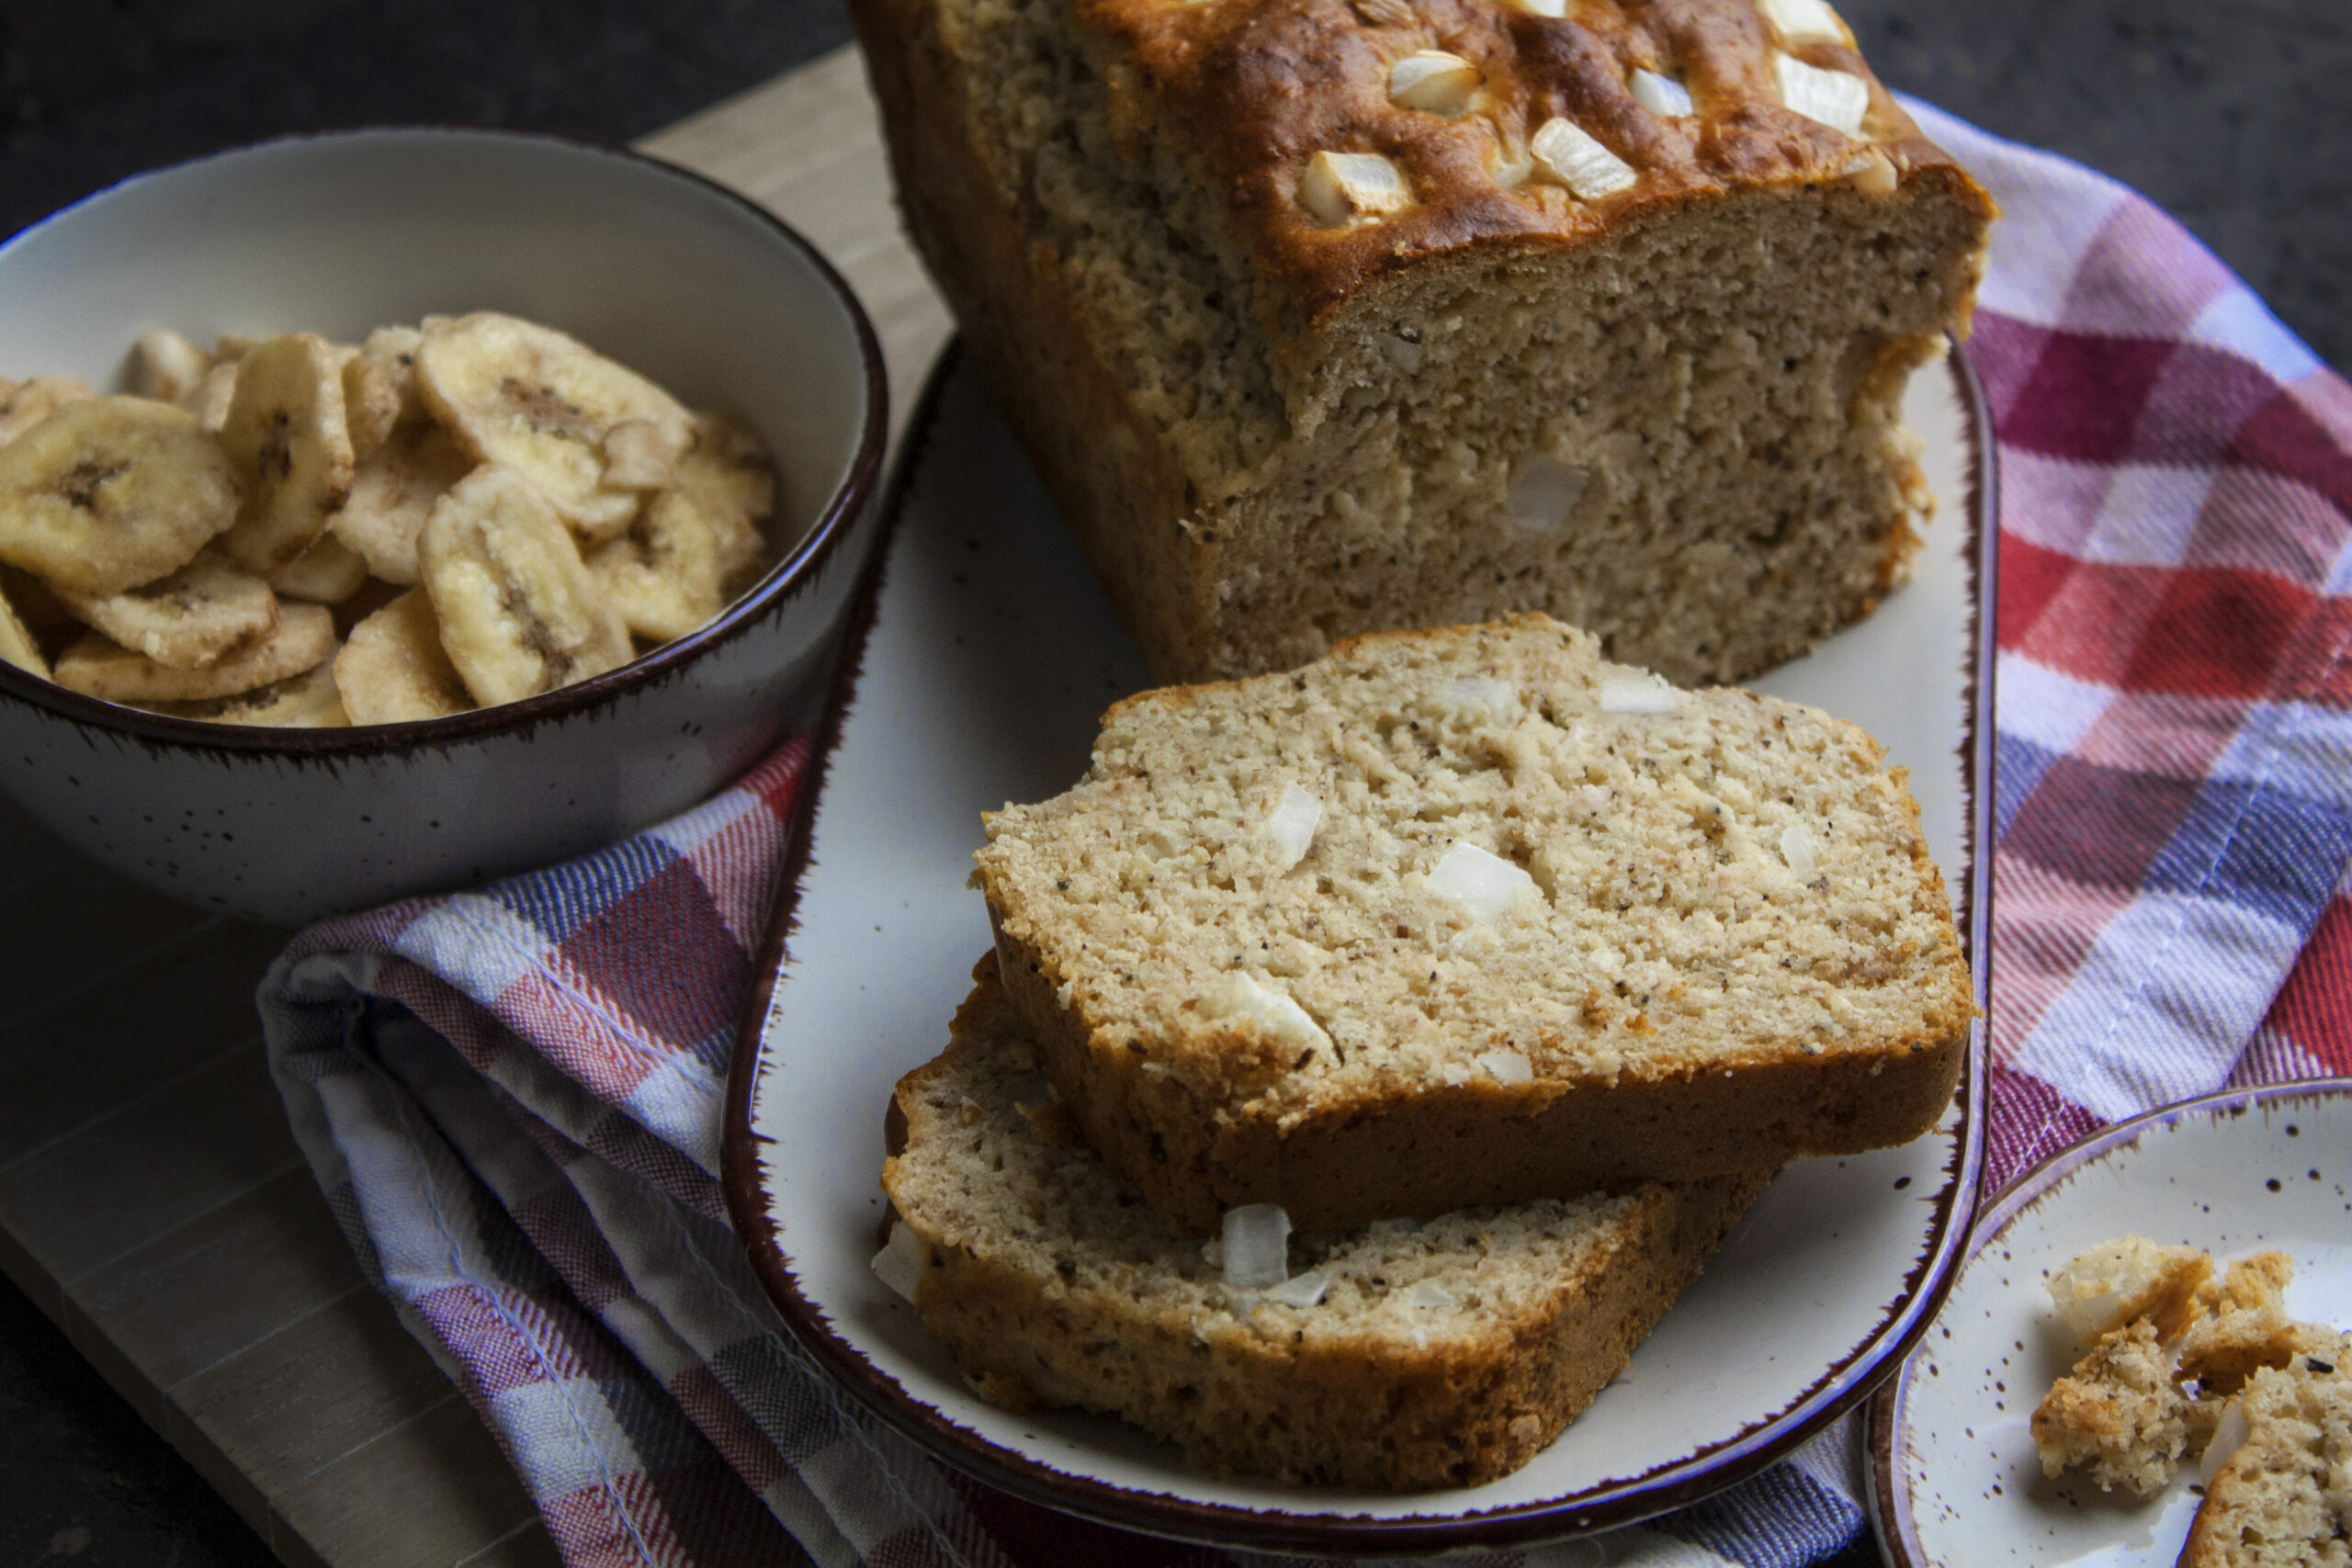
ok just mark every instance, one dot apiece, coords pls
pixel 2190 1360
pixel 2284 1498
pixel 1308 341
pixel 2119 1414
pixel 1470 917
pixel 1437 1354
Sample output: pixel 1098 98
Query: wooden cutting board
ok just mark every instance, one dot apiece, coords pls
pixel 152 1199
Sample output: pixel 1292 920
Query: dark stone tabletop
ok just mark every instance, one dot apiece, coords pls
pixel 2234 116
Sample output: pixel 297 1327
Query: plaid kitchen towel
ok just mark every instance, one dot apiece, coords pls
pixel 512 1097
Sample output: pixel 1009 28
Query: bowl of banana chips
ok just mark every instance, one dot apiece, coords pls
pixel 385 510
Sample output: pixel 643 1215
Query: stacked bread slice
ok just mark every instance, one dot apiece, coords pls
pixel 1504 974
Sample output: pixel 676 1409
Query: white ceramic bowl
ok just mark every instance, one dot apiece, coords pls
pixel 677 277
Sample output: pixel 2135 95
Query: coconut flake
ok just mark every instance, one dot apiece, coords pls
pixel 1543 492
pixel 900 1263
pixel 1455 1074
pixel 1338 187
pixel 1483 884
pixel 1645 693
pixel 1556 9
pixel 1257 1246
pixel 1570 155
pixel 1292 824
pixel 1838 99
pixel 2229 1433
pixel 1661 95
pixel 1483 697
pixel 1403 352
pixel 1802 853
pixel 1300 1290
pixel 1804 21
pixel 1429 1295
pixel 1434 81
pixel 1506 1066
pixel 1235 998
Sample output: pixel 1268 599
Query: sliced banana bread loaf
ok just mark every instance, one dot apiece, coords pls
pixel 1472 916
pixel 1325 316
pixel 1397 1356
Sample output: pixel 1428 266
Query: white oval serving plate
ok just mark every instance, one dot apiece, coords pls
pixel 985 659
pixel 1955 1482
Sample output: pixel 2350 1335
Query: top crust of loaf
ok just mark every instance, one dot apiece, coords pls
pixel 1250 93
pixel 1716 939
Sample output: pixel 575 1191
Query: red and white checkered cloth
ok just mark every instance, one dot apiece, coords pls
pixel 512 1097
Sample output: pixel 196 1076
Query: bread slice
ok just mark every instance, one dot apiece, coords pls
pixel 1441 1354
pixel 1308 341
pixel 1554 928
pixel 2283 1497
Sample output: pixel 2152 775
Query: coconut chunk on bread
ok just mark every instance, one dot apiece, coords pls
pixel 1396 1356
pixel 1474 915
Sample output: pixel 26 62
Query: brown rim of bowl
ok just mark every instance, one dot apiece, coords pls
pixel 1672 1486
pixel 1890 1503
pixel 849 496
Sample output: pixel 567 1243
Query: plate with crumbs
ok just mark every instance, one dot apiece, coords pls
pixel 1955 1481
pixel 983 657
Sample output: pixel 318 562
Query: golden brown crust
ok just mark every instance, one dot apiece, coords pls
pixel 1261 88
pixel 1413 1153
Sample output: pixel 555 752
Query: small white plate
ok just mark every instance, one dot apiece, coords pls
pixel 990 657
pixel 1955 1481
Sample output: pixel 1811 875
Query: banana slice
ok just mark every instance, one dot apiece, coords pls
pixel 167 367
pixel 200 614
pixel 379 388
pixel 664 575
pixel 534 401
pixel 17 644
pixel 393 668
pixel 728 472
pixel 28 402
pixel 519 613
pixel 327 573
pixel 392 493
pixel 308 701
pixel 286 433
pixel 212 397
pixel 304 640
pixel 111 493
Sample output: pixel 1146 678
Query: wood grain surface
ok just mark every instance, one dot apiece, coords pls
pixel 151 1200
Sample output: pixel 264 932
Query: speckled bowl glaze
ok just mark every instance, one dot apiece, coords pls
pixel 673 275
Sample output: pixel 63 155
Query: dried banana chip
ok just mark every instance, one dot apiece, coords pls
pixel 379 388
pixel 232 346
pixel 327 573
pixel 167 367
pixel 664 575
pixel 392 493
pixel 304 640
pixel 287 437
pixel 728 472
pixel 536 401
pixel 30 402
pixel 519 613
pixel 200 614
pixel 393 668
pixel 212 397
pixel 308 701
pixel 17 644
pixel 111 493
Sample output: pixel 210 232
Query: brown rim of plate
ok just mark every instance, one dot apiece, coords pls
pixel 782 582
pixel 1668 1487
pixel 1889 1505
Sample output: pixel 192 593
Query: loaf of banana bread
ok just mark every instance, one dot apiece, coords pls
pixel 1325 316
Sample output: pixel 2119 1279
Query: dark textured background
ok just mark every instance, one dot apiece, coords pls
pixel 2235 116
